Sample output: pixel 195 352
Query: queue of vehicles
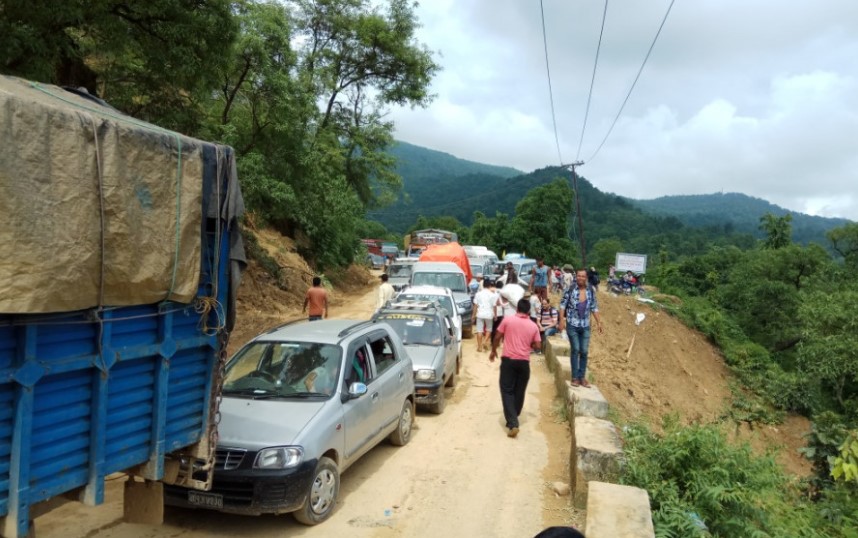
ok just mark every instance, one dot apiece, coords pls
pixel 345 386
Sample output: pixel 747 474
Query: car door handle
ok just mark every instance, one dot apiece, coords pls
pixel 401 376
pixel 374 396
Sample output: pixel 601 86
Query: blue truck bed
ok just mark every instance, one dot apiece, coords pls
pixel 92 392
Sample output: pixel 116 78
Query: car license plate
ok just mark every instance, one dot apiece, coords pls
pixel 208 500
pixel 423 392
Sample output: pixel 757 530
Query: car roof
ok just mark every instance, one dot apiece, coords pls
pixel 426 289
pixel 441 267
pixel 411 306
pixel 326 331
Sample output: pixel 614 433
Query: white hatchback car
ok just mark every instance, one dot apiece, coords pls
pixel 443 296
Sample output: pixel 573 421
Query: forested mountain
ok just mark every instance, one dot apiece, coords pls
pixel 438 184
pixel 418 164
pixel 737 212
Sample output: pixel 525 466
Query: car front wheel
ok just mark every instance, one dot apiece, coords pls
pixel 322 497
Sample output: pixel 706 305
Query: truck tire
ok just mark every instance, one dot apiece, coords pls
pixel 402 434
pixel 322 497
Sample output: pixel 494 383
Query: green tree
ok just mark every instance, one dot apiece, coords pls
pixel 829 345
pixel 156 60
pixel 778 230
pixel 844 240
pixel 540 223
pixel 604 253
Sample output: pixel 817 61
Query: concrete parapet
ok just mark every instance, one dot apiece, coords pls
pixel 586 402
pixel 615 511
pixel 596 454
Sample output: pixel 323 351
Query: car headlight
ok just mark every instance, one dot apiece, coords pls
pixel 279 457
pixel 465 305
pixel 424 375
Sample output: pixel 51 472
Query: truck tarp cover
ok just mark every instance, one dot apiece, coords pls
pixel 450 252
pixel 87 195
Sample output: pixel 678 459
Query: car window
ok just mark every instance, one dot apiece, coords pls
pixel 283 369
pixel 383 353
pixel 444 300
pixel 400 270
pixel 454 281
pixel 415 329
pixel 359 368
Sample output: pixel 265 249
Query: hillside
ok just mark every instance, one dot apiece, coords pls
pixel 436 184
pixel 737 212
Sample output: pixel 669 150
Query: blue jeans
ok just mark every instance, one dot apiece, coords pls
pixel 579 340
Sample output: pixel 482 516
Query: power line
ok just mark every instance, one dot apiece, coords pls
pixel 626 100
pixel 592 81
pixel 550 92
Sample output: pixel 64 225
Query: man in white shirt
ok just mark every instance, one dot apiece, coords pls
pixel 484 315
pixel 385 292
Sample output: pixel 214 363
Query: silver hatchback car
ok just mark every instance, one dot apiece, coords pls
pixel 301 403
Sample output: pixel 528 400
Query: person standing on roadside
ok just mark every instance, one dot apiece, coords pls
pixel 484 315
pixel 568 277
pixel 520 335
pixel 317 300
pixel 539 280
pixel 511 276
pixel 385 292
pixel 578 303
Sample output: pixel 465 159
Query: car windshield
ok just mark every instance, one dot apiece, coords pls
pixel 476 269
pixel 454 281
pixel 283 369
pixel 414 329
pixel 399 270
pixel 446 302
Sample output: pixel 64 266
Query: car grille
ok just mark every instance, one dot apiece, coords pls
pixel 229 458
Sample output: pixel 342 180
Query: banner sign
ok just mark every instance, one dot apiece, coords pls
pixel 636 263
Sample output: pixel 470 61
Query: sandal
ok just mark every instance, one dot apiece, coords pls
pixel 575 383
pixel 584 383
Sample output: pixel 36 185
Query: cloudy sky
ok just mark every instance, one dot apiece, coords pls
pixel 751 96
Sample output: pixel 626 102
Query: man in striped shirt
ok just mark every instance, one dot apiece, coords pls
pixel 578 303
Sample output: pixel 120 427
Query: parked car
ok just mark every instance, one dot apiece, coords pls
pixel 447 275
pixel 301 403
pixel 375 261
pixel 443 296
pixel 399 272
pixel 523 268
pixel 428 334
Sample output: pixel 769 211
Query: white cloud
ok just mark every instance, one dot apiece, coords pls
pixel 737 96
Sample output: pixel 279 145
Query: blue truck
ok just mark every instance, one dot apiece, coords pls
pixel 120 258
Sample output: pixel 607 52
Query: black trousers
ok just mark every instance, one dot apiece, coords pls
pixel 514 375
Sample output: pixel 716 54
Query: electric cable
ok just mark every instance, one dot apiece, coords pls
pixel 592 81
pixel 626 100
pixel 550 92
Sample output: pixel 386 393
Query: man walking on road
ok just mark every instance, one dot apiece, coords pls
pixel 385 292
pixel 317 299
pixel 520 335
pixel 578 303
pixel 484 315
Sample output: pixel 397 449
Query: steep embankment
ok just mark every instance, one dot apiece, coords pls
pixel 661 366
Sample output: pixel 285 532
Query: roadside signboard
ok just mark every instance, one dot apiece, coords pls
pixel 636 263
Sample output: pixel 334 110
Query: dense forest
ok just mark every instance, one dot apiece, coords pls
pixel 300 89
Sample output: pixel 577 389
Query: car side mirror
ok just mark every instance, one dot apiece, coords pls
pixel 357 389
pixel 447 340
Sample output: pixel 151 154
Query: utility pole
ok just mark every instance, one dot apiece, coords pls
pixel 571 168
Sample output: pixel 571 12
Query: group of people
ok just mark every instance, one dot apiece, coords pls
pixel 521 321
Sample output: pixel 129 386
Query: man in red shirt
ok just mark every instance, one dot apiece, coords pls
pixel 317 299
pixel 520 335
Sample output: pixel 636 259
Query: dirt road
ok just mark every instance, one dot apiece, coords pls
pixel 459 476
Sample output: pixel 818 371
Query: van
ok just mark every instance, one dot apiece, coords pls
pixel 447 275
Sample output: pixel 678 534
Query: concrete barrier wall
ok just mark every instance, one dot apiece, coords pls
pixel 596 457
